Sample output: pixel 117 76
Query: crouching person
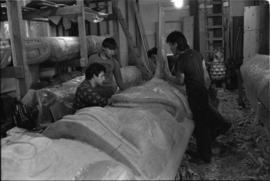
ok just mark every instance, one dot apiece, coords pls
pixel 87 93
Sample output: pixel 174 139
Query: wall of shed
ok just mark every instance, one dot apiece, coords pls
pixel 173 18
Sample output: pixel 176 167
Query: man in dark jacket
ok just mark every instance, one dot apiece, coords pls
pixel 189 71
pixel 87 94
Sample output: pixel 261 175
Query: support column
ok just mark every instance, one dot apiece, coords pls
pixel 82 35
pixel 16 29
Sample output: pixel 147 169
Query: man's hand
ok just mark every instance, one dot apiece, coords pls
pixel 207 80
pixel 178 80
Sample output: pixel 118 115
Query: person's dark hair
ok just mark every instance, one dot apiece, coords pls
pixel 109 43
pixel 94 69
pixel 179 38
pixel 152 51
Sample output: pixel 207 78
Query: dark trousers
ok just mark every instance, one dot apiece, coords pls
pixel 207 121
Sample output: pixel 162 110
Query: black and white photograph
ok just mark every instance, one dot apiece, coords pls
pixel 135 90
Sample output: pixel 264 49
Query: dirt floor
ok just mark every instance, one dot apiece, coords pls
pixel 245 149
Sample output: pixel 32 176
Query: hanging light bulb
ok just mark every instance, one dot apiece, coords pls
pixel 178 3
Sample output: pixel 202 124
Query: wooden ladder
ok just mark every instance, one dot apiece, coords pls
pixel 214 26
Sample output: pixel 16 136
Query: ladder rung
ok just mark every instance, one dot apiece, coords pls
pixel 215 39
pixel 215 15
pixel 215 27
pixel 209 51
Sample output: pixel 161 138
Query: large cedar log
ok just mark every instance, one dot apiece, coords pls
pixel 57 49
pixel 142 135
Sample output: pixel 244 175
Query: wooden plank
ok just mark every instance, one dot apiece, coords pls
pixel 226 34
pixel 161 43
pixel 39 15
pixel 17 44
pixel 127 7
pixel 131 42
pixel 61 11
pixel 69 10
pixel 237 36
pixel 124 26
pixel 203 33
pixel 82 35
pixel 140 25
pixel 264 30
pixel 161 39
pixel 107 22
pixel 12 72
pixel 142 35
pixel 251 43
pixel 188 28
pixel 116 26
pixel 131 28
pixel 210 15
pixel 160 36
pixel 251 18
pixel 251 31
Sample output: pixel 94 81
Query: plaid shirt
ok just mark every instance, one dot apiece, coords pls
pixel 87 96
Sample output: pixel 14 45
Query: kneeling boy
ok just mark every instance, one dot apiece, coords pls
pixel 87 94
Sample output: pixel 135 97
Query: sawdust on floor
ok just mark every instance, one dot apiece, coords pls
pixel 245 151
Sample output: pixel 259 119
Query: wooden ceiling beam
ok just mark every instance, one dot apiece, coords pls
pixel 61 11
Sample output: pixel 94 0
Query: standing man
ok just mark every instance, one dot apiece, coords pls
pixel 87 93
pixel 113 76
pixel 189 71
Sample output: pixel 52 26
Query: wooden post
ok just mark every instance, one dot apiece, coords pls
pixel 107 22
pixel 161 41
pixel 17 34
pixel 82 35
pixel 194 11
pixel 98 24
pixel 160 37
pixel 161 51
